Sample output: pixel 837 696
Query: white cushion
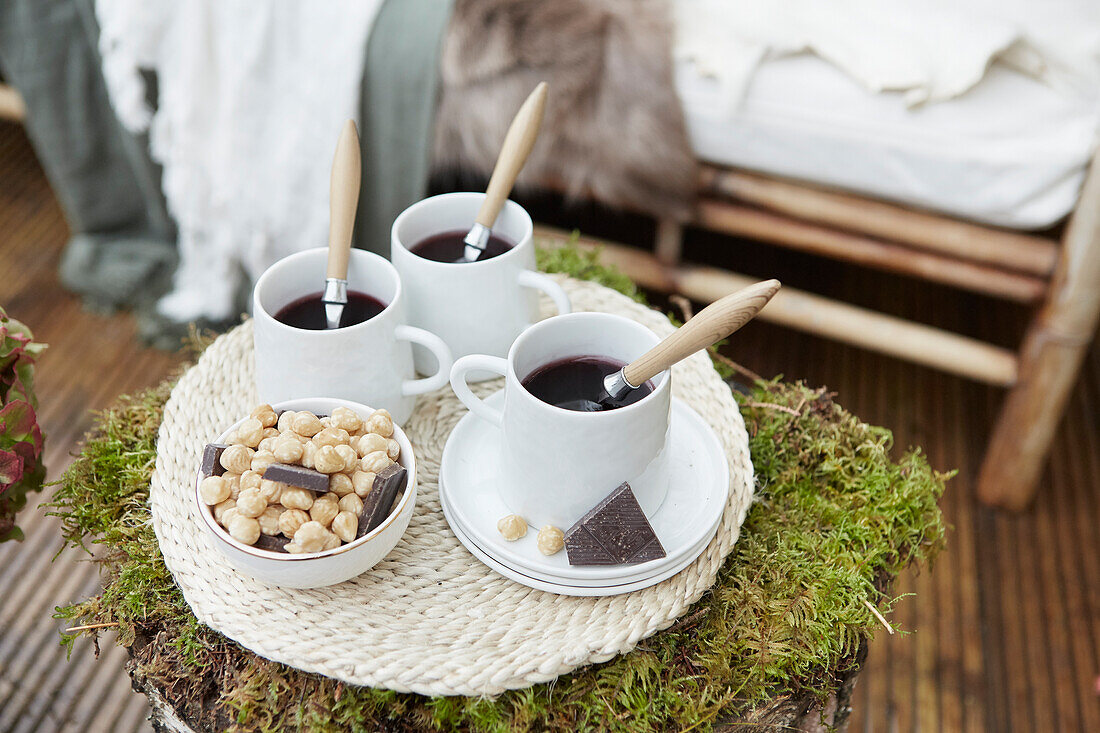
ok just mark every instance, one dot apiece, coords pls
pixel 1011 152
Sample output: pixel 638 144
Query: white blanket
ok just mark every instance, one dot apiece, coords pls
pixel 251 98
pixel 931 50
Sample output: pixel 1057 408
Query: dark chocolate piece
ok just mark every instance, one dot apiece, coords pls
pixel 583 549
pixel 271 543
pixel 379 501
pixel 614 532
pixel 211 460
pixel 303 478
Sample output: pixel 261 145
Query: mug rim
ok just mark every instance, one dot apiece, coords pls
pixel 665 376
pixel 526 240
pixel 257 306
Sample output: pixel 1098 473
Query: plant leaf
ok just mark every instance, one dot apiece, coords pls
pixel 11 469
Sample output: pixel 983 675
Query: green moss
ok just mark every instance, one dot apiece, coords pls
pixel 835 519
pixel 584 264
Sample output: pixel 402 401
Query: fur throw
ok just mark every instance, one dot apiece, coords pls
pixel 613 130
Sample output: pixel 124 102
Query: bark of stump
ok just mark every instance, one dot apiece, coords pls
pixel 786 712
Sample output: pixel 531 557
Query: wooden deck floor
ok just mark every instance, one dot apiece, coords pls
pixel 1005 628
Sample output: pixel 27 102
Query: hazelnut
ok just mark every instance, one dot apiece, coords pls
pixel 362 482
pixel 271 433
pixel 351 503
pixel 345 419
pixel 228 516
pixel 266 415
pixel 221 509
pixel 309 454
pixel 251 503
pixel 261 461
pixel 306 423
pixel 393 449
pixel 550 540
pixel 324 509
pixel 236 458
pixel 269 520
pixel 213 490
pixel 340 484
pixel 244 529
pixel 351 458
pixel 267 444
pixel 296 498
pixel 331 436
pixel 290 520
pixel 370 443
pixel 374 462
pixel 310 537
pixel 331 542
pixel 380 422
pixel 287 449
pixel 250 480
pixel 250 432
pixel 272 491
pixel 512 527
pixel 284 421
pixel 233 480
pixel 345 525
pixel 327 460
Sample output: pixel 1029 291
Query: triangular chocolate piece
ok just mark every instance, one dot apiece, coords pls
pixel 379 500
pixel 619 527
pixel 583 549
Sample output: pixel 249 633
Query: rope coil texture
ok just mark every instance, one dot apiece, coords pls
pixel 429 618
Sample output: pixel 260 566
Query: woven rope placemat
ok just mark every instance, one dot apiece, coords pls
pixel 429 618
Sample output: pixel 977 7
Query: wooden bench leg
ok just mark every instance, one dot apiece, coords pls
pixel 1053 349
pixel 670 242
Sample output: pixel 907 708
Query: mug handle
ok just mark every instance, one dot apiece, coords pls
pixel 538 281
pixel 462 390
pixel 439 349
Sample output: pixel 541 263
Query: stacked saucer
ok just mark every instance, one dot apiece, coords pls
pixel 469 478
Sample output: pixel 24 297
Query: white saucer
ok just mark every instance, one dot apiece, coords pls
pixel 685 522
pixel 561 589
pixel 566 586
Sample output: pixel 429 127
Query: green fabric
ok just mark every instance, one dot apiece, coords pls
pixel 123 250
pixel 398 114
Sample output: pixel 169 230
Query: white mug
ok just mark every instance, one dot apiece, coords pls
pixel 370 362
pixel 557 464
pixel 476 307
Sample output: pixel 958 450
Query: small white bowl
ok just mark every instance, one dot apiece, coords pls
pixel 317 569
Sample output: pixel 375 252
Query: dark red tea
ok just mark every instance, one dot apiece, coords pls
pixel 309 311
pixel 450 247
pixel 567 382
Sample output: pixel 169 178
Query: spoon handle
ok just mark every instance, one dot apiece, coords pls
pixel 343 200
pixel 713 323
pixel 518 142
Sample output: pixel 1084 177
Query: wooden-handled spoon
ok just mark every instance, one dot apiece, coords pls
pixel 712 324
pixel 343 201
pixel 518 142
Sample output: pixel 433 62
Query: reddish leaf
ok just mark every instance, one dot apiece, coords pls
pixel 17 420
pixel 11 469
